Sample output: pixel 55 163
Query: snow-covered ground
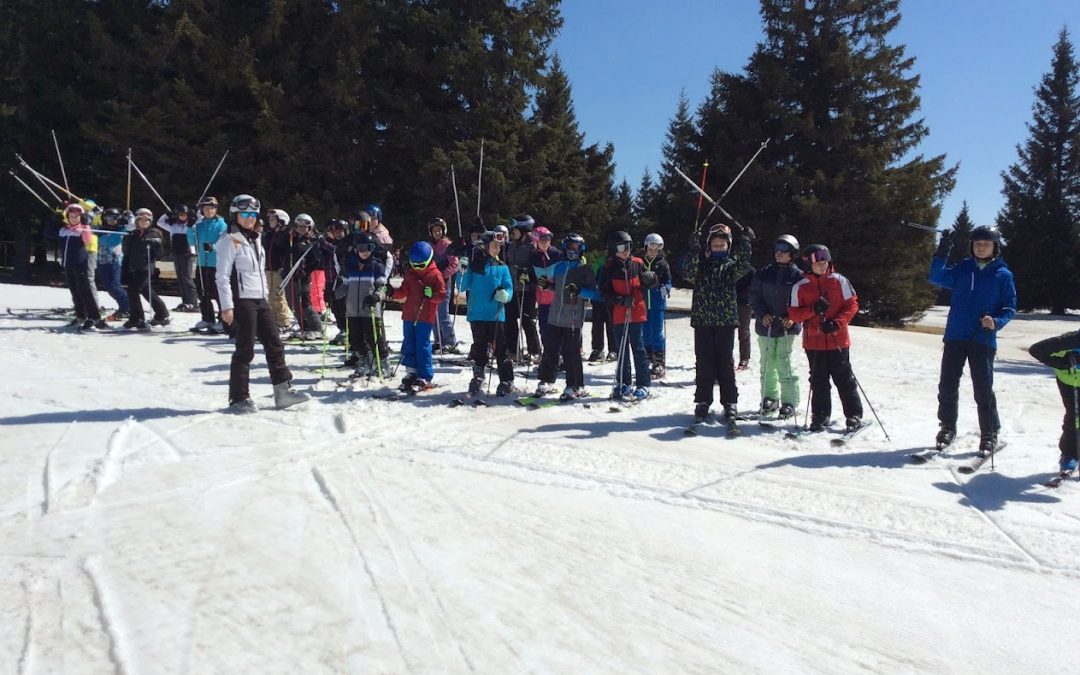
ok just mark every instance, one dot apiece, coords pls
pixel 143 531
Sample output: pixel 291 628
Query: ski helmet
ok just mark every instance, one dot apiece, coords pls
pixel 619 240
pixel 362 221
pixel 437 222
pixel 816 253
pixel 337 224
pixel 303 220
pixel 76 207
pixel 283 217
pixel 786 243
pixel 363 241
pixel 573 238
pixel 985 233
pixel 493 235
pixel 182 208
pixel 523 222
pixel 111 213
pixel 720 230
pixel 654 240
pixel 208 201
pixel 243 203
pixel 144 213
pixel 542 232
pixel 420 254
pixel 115 216
pixel 501 233
pixel 374 211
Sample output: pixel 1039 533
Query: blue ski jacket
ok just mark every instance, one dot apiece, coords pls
pixel 976 293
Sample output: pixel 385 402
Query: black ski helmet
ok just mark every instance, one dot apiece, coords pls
pixel 816 253
pixel 437 222
pixel 364 241
pixel 617 238
pixel 523 222
pixel 985 233
pixel 573 238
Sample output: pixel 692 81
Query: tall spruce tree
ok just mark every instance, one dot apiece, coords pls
pixel 623 215
pixel 676 201
pixel 838 101
pixel 1041 217
pixel 646 206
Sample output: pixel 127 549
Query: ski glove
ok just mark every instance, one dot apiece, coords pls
pixel 428 291
pixel 208 247
pixel 372 300
pixel 828 326
pixel 502 295
pixel 821 306
pixel 624 300
pixel 523 278
pixel 571 290
pixel 944 246
pixel 542 281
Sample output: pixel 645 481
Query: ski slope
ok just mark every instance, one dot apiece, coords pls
pixel 144 531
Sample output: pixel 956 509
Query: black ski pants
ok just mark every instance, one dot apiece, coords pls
pixel 564 342
pixel 602 327
pixel 83 294
pixel 834 364
pixel 139 284
pixel 253 320
pixel 366 336
pixel 487 334
pixel 713 364
pixel 980 359
pixel 208 276
pixel 521 315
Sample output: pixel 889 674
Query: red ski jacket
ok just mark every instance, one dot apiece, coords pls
pixel 843 305
pixel 417 306
pixel 622 279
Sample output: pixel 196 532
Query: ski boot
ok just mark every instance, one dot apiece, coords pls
pixel 544 388
pixel 504 388
pixel 769 406
pixel 701 411
pixel 285 396
pixel 161 320
pixel 945 437
pixel 640 394
pixel 1067 465
pixel 852 423
pixel 595 356
pixel 819 423
pixel 988 443
pixel 243 407
pixel 786 410
pixel 408 381
pixel 475 385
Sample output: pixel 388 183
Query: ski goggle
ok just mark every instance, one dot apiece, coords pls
pixel 818 256
pixel 784 247
pixel 623 247
pixel 249 214
pixel 496 236
pixel 420 265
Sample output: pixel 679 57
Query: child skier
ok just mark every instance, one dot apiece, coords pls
pixel 572 283
pixel 178 223
pixel 365 277
pixel 203 237
pixel 79 251
pixel 983 301
pixel 770 295
pixel 523 340
pixel 624 284
pixel 825 302
pixel 1062 353
pixel 448 265
pixel 302 261
pixel 142 250
pixel 656 305
pixel 713 313
pixel 490 288
pixel 110 262
pixel 542 260
pixel 422 289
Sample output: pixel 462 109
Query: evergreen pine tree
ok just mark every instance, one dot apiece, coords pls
pixel 646 206
pixel 1041 217
pixel 676 202
pixel 623 215
pixel 837 100
pixel 961 234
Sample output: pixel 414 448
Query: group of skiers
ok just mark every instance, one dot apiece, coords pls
pixel 526 301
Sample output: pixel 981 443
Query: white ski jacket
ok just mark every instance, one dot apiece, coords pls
pixel 241 269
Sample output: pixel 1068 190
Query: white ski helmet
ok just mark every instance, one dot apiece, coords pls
pixel 791 242
pixel 244 203
pixel 282 217
pixel 654 240
pixel 304 220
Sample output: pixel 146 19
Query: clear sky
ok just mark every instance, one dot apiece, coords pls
pixel 979 61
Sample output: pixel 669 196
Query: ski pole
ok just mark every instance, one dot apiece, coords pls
pixel 715 204
pixel 31 190
pixel 697 216
pixel 622 348
pixel 128 203
pixel 212 177
pixel 871 403
pixel 56 144
pixel 149 185
pixel 296 265
pixel 45 181
pixel 1076 403
pixel 479 178
pixel 457 204
pixel 375 339
pixel 149 279
pixel 740 174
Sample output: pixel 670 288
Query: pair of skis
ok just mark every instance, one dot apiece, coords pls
pixel 843 439
pixel 970 467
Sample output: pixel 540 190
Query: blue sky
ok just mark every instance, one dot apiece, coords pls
pixel 979 61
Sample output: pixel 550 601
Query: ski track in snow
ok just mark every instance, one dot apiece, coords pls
pixel 139 485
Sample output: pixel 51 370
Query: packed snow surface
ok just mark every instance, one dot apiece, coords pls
pixel 143 530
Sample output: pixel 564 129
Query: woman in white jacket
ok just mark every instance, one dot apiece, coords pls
pixel 243 293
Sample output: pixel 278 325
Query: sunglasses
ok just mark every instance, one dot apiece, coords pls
pixel 249 214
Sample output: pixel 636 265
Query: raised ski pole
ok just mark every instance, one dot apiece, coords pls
pixel 457 204
pixel 128 206
pixel 149 185
pixel 479 177
pixel 59 158
pixel 46 181
pixel 918 226
pixel 715 204
pixel 212 177
pixel 30 190
pixel 697 216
